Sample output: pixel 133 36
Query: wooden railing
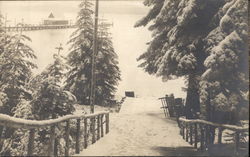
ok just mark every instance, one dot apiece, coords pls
pixel 94 121
pixel 172 107
pixel 198 132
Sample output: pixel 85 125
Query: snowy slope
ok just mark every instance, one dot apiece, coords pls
pixel 139 129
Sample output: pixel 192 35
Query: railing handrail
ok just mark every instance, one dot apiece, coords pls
pixel 162 98
pixel 13 122
pixel 225 126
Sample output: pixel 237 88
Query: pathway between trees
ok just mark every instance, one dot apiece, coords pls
pixel 140 129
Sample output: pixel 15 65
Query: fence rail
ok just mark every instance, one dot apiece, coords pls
pixel 94 121
pixel 196 131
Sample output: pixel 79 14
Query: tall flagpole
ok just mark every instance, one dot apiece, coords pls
pixel 92 90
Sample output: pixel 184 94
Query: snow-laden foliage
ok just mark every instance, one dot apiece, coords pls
pixel 106 71
pixel 227 63
pixel 15 73
pixel 23 96
pixel 50 99
pixel 23 110
pixel 16 145
pixel 3 99
pixel 177 31
pixel 15 69
pixel 205 41
pixel 176 48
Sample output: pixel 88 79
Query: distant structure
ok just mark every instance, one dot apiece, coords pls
pixel 130 94
pixel 52 21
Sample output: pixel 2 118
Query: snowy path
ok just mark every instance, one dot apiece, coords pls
pixel 140 129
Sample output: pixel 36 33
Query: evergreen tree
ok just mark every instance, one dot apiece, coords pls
pixel 15 69
pixel 225 82
pixel 15 73
pixel 176 49
pixel 107 72
pixel 79 58
pixel 50 99
pixel 3 97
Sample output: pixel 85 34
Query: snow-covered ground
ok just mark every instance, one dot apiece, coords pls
pixel 140 129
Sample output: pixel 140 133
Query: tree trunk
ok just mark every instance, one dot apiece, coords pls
pixel 192 105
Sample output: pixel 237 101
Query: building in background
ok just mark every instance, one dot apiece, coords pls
pixel 55 21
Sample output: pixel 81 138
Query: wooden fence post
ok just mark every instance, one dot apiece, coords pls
pixel 98 127
pixel 102 125
pixel 186 132
pixel 85 133
pixel 202 137
pixel 207 135
pixel 93 129
pixel 55 149
pixel 237 142
pixel 219 135
pixel 181 129
pixel 1 131
pixel 31 142
pixel 195 135
pixel 191 133
pixel 78 126
pixel 212 134
pixel 163 107
pixel 67 129
pixel 52 141
pixel 107 123
pixel 183 125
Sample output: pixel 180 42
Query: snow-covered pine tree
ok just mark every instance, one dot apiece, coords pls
pixel 15 72
pixel 107 72
pixel 225 81
pixel 176 48
pixel 15 69
pixel 79 58
pixel 50 99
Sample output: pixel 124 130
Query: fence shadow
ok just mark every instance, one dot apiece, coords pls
pixel 170 120
pixel 178 151
pixel 214 150
pixel 226 150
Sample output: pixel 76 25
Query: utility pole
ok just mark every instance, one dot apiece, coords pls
pixel 92 90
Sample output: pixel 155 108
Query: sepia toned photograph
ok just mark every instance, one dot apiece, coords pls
pixel 124 78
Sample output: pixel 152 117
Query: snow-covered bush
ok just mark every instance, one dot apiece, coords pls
pixel 52 101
